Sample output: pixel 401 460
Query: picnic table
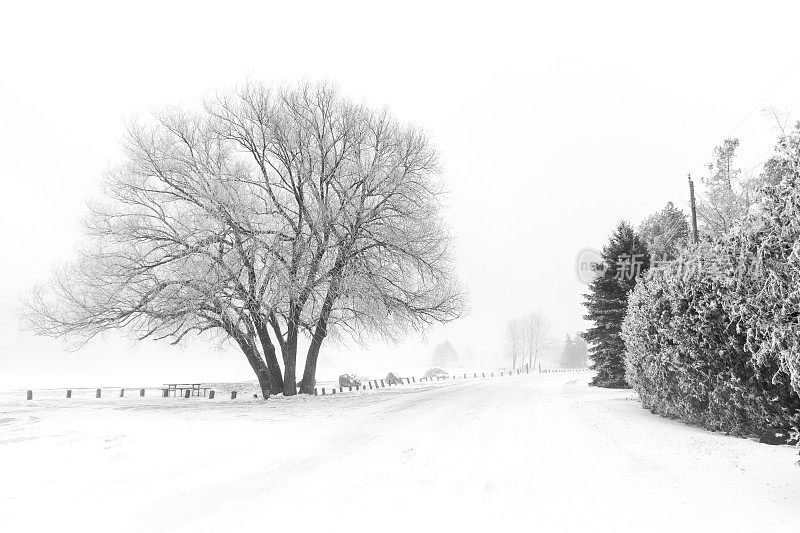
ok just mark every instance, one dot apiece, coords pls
pixel 179 389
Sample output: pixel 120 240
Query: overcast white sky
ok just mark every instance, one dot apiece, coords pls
pixel 555 120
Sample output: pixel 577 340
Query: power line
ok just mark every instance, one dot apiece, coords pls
pixel 761 101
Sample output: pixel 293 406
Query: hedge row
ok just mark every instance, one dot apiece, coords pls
pixel 714 338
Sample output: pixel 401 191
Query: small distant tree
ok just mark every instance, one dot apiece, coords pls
pixel 535 335
pixel 568 353
pixel 444 354
pixel 625 258
pixel 515 342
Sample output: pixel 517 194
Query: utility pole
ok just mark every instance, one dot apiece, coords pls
pixel 694 211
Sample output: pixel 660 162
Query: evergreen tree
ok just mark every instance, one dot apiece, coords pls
pixel 568 353
pixel 625 258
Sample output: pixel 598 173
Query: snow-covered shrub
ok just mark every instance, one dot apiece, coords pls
pixel 687 356
pixel 349 380
pixel 768 308
pixel 434 373
pixel 393 379
pixel 715 338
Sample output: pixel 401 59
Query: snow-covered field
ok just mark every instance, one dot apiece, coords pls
pixel 542 451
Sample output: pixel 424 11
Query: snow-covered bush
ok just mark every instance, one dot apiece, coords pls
pixel 686 355
pixel 393 379
pixel 768 308
pixel 714 338
pixel 435 372
pixel 349 380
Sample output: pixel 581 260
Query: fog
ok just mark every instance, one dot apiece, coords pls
pixel 554 122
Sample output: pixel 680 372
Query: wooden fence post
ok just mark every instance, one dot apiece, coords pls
pixel 141 393
pixel 383 384
pixel 315 391
pixel 121 393
pixel 370 385
pixel 333 390
pixel 69 393
pixel 323 391
pixel 233 395
pixel 29 395
pixel 211 395
pixel 414 378
pixel 97 393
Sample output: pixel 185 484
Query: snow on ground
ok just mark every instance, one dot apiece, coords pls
pixel 542 451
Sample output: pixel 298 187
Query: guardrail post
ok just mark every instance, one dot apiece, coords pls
pixel 69 393
pixel 97 393
pixel 370 385
pixel 333 390
pixel 165 393
pixel 211 395
pixel 141 393
pixel 186 393
pixel 29 395
pixel 383 384
pixel 315 392
pixel 323 391
pixel 233 395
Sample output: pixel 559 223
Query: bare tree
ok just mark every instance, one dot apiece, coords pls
pixel 535 335
pixel 269 215
pixel 526 337
pixel 515 342
pixel 729 194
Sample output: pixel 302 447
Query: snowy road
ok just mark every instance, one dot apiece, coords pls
pixel 542 451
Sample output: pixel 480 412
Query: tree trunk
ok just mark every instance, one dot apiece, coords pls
pixel 274 369
pixel 248 347
pixel 290 354
pixel 262 373
pixel 289 371
pixel 310 371
pixel 320 331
